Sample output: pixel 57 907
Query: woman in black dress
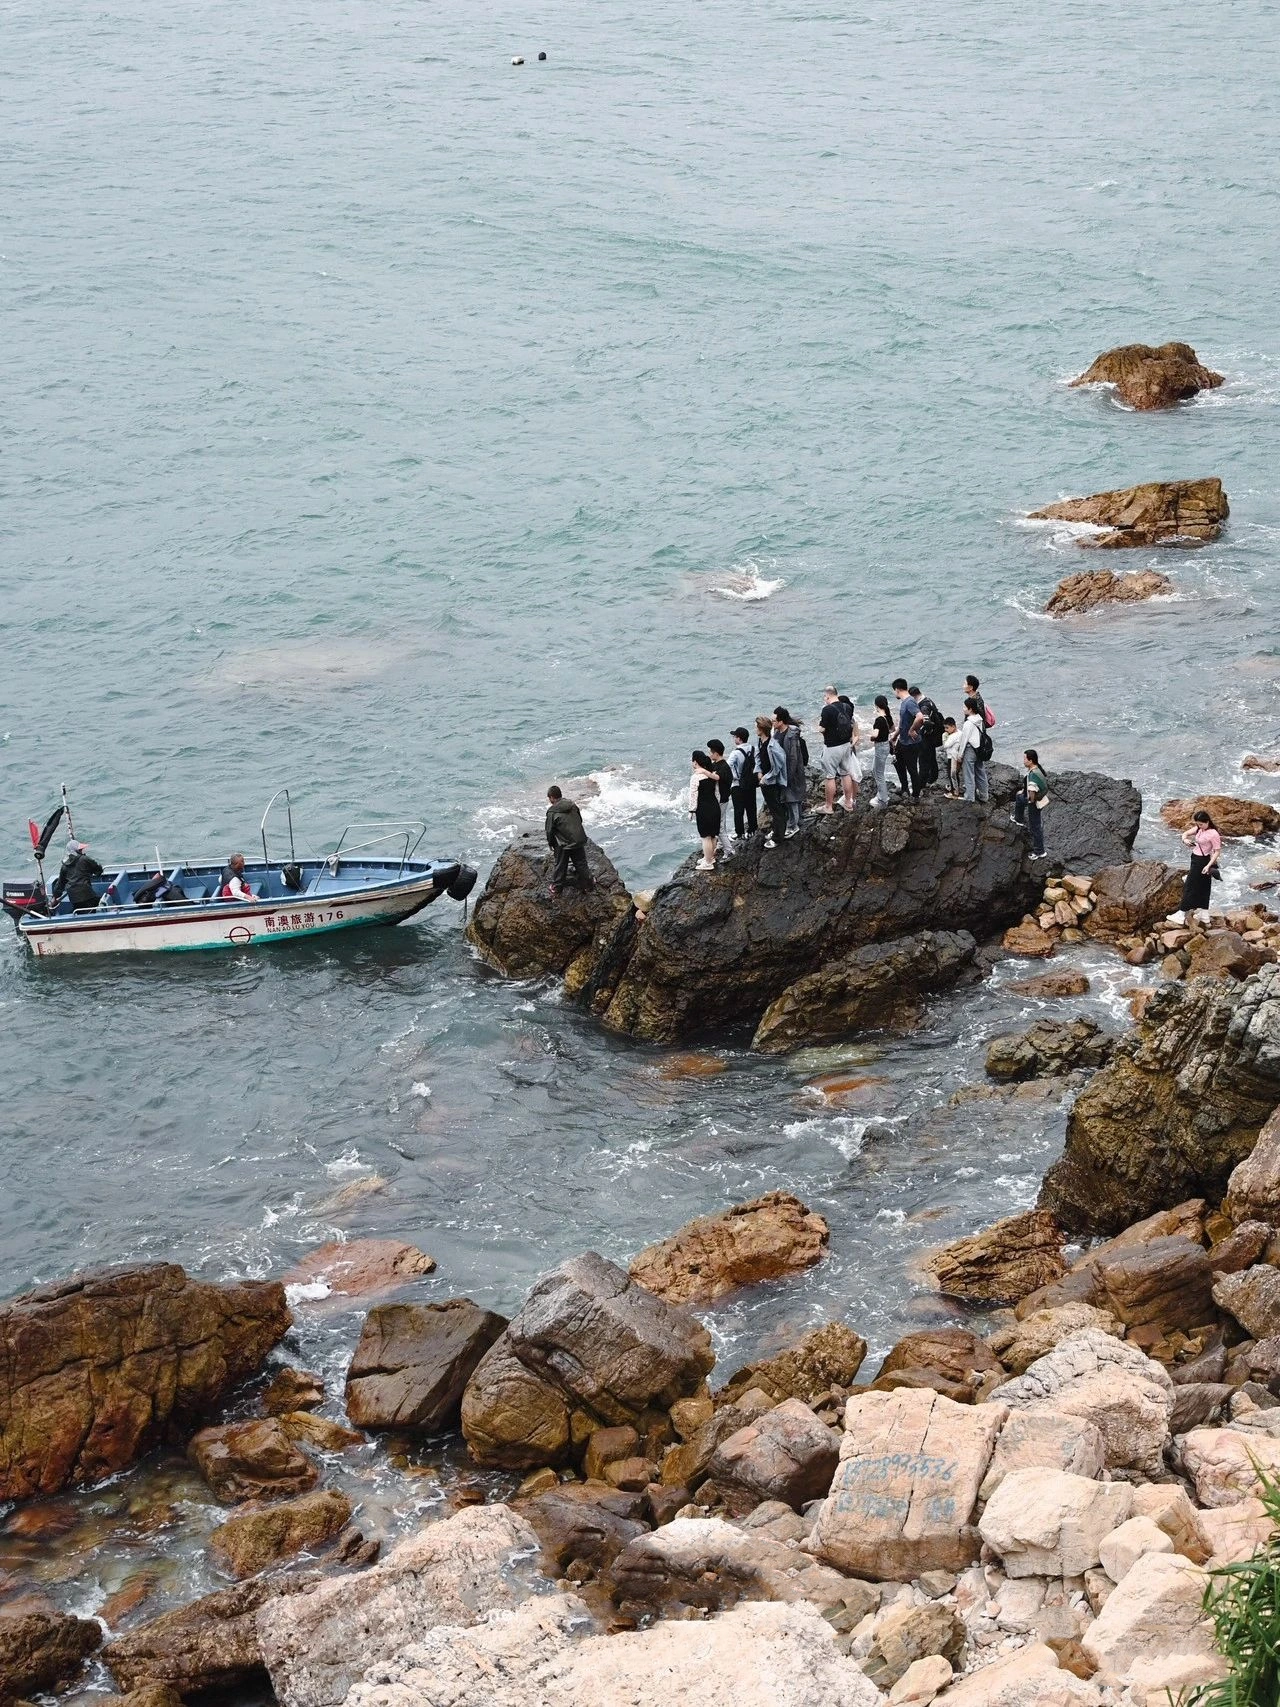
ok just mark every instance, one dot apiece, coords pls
pixel 1206 850
pixel 704 808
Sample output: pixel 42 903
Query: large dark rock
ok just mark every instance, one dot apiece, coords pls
pixel 100 1368
pixel 1048 1049
pixel 42 1650
pixel 1159 512
pixel 209 1644
pixel 1181 1103
pixel 521 930
pixel 1149 376
pixel 251 1460
pixel 878 987
pixel 590 1341
pixel 715 949
pixel 414 1360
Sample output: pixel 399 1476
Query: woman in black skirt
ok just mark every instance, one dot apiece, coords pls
pixel 704 808
pixel 1206 849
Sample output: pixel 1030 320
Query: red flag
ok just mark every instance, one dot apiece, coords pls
pixel 35 832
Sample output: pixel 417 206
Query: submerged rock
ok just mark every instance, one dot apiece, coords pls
pixel 1233 817
pixel 772 1236
pixel 1090 588
pixel 1048 1049
pixel 1004 1262
pixel 413 1362
pixel 519 929
pixel 355 1268
pixel 41 1651
pixel 879 987
pixel 1161 512
pixel 1181 1103
pixel 588 1339
pixel 1150 376
pixel 102 1367
pixel 1052 985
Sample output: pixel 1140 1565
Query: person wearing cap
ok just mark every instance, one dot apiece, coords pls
pixel 75 877
pixel 742 789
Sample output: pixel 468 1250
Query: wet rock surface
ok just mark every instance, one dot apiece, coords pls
pixel 100 1368
pixel 1159 512
pixel 827 1356
pixel 1180 1105
pixel 413 1362
pixel 251 1460
pixel 522 931
pixel 1003 1263
pixel 257 1535
pixel 1048 1049
pixel 1147 376
pixel 359 1268
pixel 41 1651
pixel 1090 588
pixel 1232 816
pixel 879 987
pixel 772 1236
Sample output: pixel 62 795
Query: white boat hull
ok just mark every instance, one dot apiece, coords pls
pixel 226 924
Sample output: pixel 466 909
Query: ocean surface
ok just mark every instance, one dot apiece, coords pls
pixel 415 429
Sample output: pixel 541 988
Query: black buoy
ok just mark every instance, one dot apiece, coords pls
pixel 542 56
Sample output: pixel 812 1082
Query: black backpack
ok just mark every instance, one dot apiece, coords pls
pixel 747 775
pixel 804 748
pixel 985 749
pixel 933 730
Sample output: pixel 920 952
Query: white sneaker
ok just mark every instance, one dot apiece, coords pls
pixel 1178 918
pixel 787 834
pixel 769 842
pixel 705 865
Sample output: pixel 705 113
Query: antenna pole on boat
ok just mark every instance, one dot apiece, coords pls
pixel 66 807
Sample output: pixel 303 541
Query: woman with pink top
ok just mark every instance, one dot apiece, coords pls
pixel 1206 848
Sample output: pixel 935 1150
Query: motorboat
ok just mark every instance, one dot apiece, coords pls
pixel 372 877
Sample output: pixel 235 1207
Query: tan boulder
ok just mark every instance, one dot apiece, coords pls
pixel 1147 376
pixel 1253 1191
pixel 1127 1396
pixel 1165 1284
pixel 1029 941
pixel 921 1682
pixel 1223 1464
pixel 787 1455
pixel 905 1633
pixel 955 1362
pixel 1168 1507
pixel 1049 1523
pixel 42 1651
pixel 1003 1263
pixel 251 1460
pixel 1235 1532
pixel 1129 899
pixel 1035 1335
pixel 1089 588
pixel 1030 1677
pixel 1155 1612
pixel 1253 762
pixel 258 1535
pixel 1051 985
pixel 695 1566
pixel 1044 1440
pixel 772 1236
pixel 903 1497
pixel 1253 1297
pixel 1160 512
pixel 1224 954
pixel 413 1361
pixel 827 1356
pixel 1233 817
pixel 305 1428
pixel 356 1268
pixel 293 1389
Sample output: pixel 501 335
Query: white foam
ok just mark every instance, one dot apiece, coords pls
pixel 624 799
pixel 418 1089
pixel 347 1163
pixel 747 585
pixel 307 1293
pixel 844 1132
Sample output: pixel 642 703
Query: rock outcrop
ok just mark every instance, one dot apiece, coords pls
pixel 828 1356
pixel 1253 1191
pixel 1089 588
pixel 519 929
pixel 589 1342
pixel 1131 898
pixel 879 987
pixel 1127 1397
pixel 1231 816
pixel 1050 1523
pixel 1181 1103
pixel 209 1644
pixel 1161 512
pixel 772 1236
pixel 258 1535
pixel 251 1460
pixel 100 1368
pixel 1049 1049
pixel 1003 1263
pixel 1151 376
pixel 41 1651
pixel 413 1362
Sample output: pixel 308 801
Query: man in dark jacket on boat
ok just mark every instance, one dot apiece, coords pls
pixel 75 879
pixel 568 841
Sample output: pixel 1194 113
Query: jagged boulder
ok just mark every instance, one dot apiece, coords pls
pixel 717 949
pixel 1002 1263
pixel 1181 1103
pixel 414 1360
pixel 522 931
pixel 1232 816
pixel 42 1650
pixel 772 1236
pixel 1160 512
pixel 1130 898
pixel 881 986
pixel 952 1361
pixel 1151 376
pixel 1049 1049
pixel 1253 1191
pixel 587 1340
pixel 100 1368
pixel 1089 588
pixel 1127 1397
pixel 828 1356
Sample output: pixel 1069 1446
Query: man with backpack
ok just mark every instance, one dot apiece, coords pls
pixel 839 760
pixel 931 734
pixel 742 792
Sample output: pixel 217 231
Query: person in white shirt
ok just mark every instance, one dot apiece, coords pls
pixel 953 749
pixel 970 736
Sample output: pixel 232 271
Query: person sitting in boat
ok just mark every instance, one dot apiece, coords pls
pixel 232 886
pixel 75 879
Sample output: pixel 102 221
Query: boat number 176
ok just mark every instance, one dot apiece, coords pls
pixel 300 921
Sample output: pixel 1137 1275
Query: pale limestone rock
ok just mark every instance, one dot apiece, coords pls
pixel 318 1644
pixel 1154 1613
pixel 545 1655
pixel 903 1496
pixel 1039 1607
pixel 1235 1532
pixel 1046 1440
pixel 1108 1382
pixel 921 1682
pixel 1220 1463
pixel 655 1573
pixel 1028 1678
pixel 1051 1523
pixel 1036 1335
pixel 1120 1551
pixel 1156 1682
pixel 1167 1505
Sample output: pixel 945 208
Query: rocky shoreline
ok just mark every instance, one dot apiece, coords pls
pixel 1022 1505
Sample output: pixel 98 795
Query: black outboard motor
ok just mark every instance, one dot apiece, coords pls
pixel 463 883
pixel 292 875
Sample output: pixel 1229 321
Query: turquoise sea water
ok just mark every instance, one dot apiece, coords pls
pixel 415 429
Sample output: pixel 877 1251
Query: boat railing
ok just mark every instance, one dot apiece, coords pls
pixel 288 806
pixel 397 830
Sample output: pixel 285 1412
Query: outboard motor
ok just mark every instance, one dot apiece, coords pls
pixel 292 875
pixel 463 883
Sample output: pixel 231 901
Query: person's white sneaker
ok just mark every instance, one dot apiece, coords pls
pixel 787 834
pixel 769 842
pixel 824 811
pixel 705 865
pixel 1178 918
